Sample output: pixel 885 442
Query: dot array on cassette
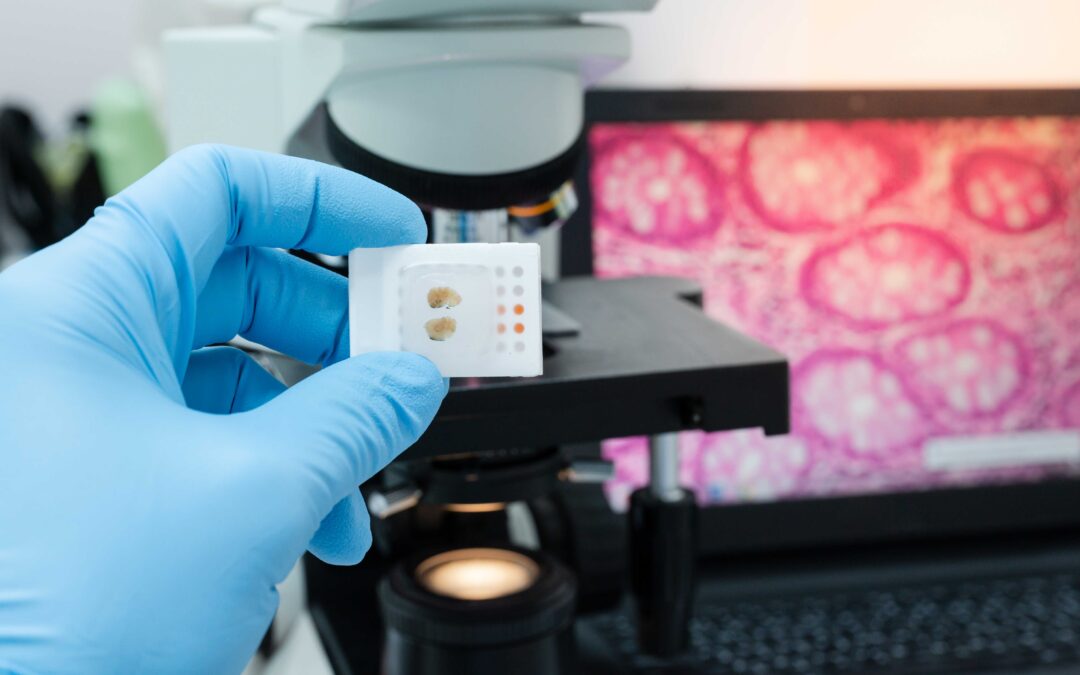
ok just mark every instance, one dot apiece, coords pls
pixel 502 310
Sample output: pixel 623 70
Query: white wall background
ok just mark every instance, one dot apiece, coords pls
pixel 54 52
pixel 858 43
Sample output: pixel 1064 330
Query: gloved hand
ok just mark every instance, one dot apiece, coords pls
pixel 153 491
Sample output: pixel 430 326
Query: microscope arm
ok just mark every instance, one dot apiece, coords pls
pixel 469 99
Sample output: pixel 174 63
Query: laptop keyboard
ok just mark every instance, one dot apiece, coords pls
pixel 943 628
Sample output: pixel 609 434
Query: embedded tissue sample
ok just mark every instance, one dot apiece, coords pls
pixel 441 329
pixel 922 277
pixel 443 296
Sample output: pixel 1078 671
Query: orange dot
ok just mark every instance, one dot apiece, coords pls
pixel 502 328
pixel 519 309
pixel 501 310
pixel 519 328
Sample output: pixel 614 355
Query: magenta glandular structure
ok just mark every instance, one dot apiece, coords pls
pixel 803 177
pixel 855 402
pixel 656 188
pixel 970 367
pixel 886 275
pixel 1006 191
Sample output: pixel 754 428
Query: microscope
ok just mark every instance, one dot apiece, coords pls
pixel 492 533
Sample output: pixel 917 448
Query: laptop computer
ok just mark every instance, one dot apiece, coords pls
pixel 917 257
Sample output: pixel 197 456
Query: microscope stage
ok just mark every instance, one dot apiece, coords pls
pixel 647 360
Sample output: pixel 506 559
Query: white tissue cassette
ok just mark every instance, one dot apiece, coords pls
pixel 473 309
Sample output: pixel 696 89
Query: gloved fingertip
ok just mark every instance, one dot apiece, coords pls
pixel 418 366
pixel 414 223
pixel 407 371
pixel 344 536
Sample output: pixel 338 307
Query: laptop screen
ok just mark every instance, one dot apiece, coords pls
pixel 922 276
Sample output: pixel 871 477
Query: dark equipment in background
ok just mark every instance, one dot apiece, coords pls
pixel 43 212
pixel 953 579
pixel 622 357
pixel 506 451
pixel 437 622
pixel 975 579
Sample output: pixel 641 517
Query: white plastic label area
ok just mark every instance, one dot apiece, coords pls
pixel 473 309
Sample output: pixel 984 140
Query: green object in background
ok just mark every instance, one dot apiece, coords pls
pixel 124 135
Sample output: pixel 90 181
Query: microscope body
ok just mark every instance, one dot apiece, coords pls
pixel 465 88
pixel 475 109
pixel 472 108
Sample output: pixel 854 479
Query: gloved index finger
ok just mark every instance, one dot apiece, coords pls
pixel 209 196
pixel 171 227
pixel 287 202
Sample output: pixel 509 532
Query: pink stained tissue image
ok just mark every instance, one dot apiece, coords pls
pixel 923 278
pixel 799 177
pixel 1006 191
pixel 967 368
pixel 886 274
pixel 658 188
pixel 855 402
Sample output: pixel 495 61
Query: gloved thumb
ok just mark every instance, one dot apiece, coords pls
pixel 341 426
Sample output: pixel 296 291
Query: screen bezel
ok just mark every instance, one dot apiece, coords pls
pixel 748 528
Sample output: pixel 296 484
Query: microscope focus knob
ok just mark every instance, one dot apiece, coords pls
pixel 663 543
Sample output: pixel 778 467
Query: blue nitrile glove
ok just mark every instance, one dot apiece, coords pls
pixel 152 491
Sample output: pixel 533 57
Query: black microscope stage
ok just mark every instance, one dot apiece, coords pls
pixel 645 360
